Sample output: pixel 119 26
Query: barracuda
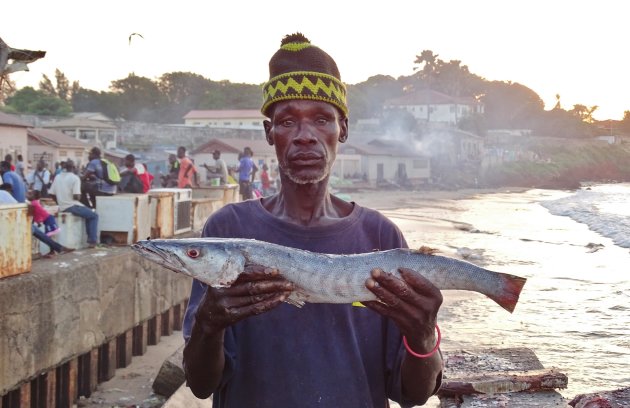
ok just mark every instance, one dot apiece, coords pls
pixel 323 278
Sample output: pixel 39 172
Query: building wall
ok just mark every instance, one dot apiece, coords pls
pixel 451 113
pixel 229 123
pixel 417 168
pixel 54 155
pixel 13 140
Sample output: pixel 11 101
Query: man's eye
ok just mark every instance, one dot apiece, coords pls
pixel 321 121
pixel 287 123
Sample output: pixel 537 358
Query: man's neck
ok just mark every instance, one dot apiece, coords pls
pixel 306 204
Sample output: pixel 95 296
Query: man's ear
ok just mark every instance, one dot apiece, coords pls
pixel 268 136
pixel 343 133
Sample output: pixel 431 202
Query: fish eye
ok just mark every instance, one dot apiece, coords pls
pixel 193 252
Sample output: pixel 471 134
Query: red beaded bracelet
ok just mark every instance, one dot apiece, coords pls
pixel 430 353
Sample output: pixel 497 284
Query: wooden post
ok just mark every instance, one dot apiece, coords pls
pixel 167 322
pixel 107 359
pixel 51 385
pixel 177 317
pixel 25 395
pixel 73 386
pixel 140 337
pixel 155 330
pixel 93 370
pixel 124 349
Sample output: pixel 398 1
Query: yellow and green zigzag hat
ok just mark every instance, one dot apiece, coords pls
pixel 300 70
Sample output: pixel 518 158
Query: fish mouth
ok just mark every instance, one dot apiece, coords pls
pixel 149 250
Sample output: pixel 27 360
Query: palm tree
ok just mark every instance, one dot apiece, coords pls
pixel 427 73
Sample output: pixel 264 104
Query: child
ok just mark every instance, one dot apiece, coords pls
pixel 40 215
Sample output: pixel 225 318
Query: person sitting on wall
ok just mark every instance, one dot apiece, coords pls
pixel 66 191
pixel 18 188
pixel 170 179
pixel 93 180
pixel 133 177
pixel 55 247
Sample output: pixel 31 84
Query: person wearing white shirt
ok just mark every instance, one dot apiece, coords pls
pixel 39 179
pixel 66 190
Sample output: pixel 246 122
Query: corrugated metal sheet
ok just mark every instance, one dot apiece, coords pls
pixel 15 240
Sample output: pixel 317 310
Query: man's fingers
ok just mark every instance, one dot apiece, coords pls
pixel 258 307
pixel 258 287
pixel 257 272
pixel 420 284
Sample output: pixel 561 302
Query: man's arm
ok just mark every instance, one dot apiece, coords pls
pixel 254 171
pixel 412 303
pixel 256 291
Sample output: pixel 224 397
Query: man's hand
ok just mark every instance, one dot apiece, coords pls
pixel 411 302
pixel 257 290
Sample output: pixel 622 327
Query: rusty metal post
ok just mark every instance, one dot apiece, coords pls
pixel 167 322
pixel 155 330
pixel 50 386
pixel 140 337
pixel 107 358
pixel 25 395
pixel 124 349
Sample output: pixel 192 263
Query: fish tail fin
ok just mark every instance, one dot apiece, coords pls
pixel 512 286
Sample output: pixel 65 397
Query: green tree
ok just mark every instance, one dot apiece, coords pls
pixel 28 100
pixel 139 98
pixel 62 87
pixel 584 112
pixel 182 92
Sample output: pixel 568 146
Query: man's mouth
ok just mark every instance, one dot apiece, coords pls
pixel 306 159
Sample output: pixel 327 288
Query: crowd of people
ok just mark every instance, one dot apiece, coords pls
pixel 75 190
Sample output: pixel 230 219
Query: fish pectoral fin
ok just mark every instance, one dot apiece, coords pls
pixel 426 250
pixel 293 300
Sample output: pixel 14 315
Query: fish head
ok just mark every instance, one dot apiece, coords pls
pixel 211 262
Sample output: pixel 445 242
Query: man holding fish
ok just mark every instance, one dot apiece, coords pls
pixel 245 344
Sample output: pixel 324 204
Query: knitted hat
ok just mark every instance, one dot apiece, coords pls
pixel 300 70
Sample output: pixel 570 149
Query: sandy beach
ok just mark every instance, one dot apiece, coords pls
pixel 132 385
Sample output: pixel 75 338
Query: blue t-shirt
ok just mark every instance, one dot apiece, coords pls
pixel 320 355
pixel 245 167
pixel 17 185
pixel 95 167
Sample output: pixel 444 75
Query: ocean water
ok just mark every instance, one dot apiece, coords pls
pixel 574 311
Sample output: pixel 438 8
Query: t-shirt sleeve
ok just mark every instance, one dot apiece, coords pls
pixel 197 293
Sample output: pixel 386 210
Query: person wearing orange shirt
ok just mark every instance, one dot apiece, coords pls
pixel 187 176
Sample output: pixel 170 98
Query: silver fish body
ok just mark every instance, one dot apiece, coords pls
pixel 323 278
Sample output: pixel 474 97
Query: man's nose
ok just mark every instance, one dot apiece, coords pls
pixel 305 135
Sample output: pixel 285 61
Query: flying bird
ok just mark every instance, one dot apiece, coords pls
pixel 132 34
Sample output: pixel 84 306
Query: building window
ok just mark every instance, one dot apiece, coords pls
pixel 78 153
pixel 63 153
pixel 227 123
pixel 420 163
pixel 256 123
pixel 240 123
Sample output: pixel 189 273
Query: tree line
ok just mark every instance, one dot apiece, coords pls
pixel 508 105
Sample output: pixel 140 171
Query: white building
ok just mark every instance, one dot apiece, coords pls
pixel 13 139
pixel 52 146
pixel 228 118
pixel 435 107
pixel 380 161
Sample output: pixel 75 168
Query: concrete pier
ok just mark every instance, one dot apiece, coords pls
pixel 74 317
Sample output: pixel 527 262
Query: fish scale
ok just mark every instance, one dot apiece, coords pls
pixel 324 278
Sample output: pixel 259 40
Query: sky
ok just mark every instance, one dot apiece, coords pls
pixel 577 49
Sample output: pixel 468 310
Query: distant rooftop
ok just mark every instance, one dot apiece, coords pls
pixel 225 114
pixel 10 120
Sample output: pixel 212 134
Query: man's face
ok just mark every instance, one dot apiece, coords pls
pixel 306 134
pixel 40 166
pixel 129 163
pixel 181 153
pixel 216 156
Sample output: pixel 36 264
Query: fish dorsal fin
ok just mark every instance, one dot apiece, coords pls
pixel 425 250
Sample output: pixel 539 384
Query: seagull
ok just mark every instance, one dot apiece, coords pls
pixel 132 34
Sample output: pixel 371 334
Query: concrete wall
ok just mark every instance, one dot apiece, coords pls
pixel 65 308
pixel 13 141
